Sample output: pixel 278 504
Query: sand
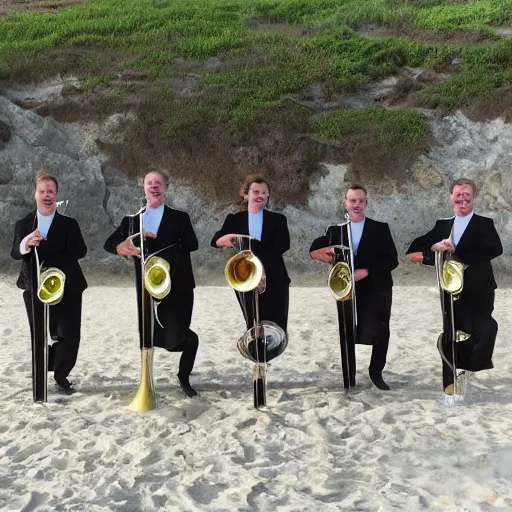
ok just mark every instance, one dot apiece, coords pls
pixel 315 448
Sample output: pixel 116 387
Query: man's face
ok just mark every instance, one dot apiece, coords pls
pixel 356 203
pixel 154 189
pixel 462 200
pixel 257 198
pixel 46 197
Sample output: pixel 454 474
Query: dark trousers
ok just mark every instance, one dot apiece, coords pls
pixel 347 342
pixel 65 326
pixel 273 305
pixel 373 316
pixel 175 314
pixel 473 315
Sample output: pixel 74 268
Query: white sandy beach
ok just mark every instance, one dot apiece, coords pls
pixel 315 448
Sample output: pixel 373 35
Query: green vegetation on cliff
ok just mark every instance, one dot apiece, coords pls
pixel 229 62
pixel 268 48
pixel 391 128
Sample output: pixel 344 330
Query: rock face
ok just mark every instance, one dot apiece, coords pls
pixel 479 151
pixel 41 143
pixel 99 195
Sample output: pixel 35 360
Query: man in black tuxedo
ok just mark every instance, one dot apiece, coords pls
pixel 271 240
pixel 165 227
pixel 472 240
pixel 59 244
pixel 375 257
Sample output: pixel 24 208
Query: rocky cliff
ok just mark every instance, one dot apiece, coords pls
pixel 100 194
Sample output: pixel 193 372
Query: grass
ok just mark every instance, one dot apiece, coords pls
pixel 390 127
pixel 160 31
pixel 269 50
pixel 91 83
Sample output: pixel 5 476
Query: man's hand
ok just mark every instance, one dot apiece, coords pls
pixel 326 254
pixel 415 257
pixel 262 284
pixel 148 234
pixel 443 245
pixel 33 240
pixel 360 273
pixel 127 248
pixel 226 241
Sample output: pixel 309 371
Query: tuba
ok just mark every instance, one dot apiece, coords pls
pixel 47 290
pixel 156 284
pixel 342 287
pixel 450 279
pixel 264 340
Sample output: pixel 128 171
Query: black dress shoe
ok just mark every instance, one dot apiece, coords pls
pixel 186 387
pixel 65 390
pixel 65 383
pixel 378 381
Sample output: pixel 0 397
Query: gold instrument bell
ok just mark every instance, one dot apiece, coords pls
pixel 145 400
pixel 452 276
pixel 244 271
pixel 157 277
pixel 340 281
pixel 157 281
pixel 51 286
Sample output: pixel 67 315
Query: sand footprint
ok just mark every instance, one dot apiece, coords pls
pixel 60 464
pixel 152 458
pixel 67 444
pixel 247 423
pixel 27 452
pixel 159 500
pixel 32 501
pixel 248 456
pixel 205 492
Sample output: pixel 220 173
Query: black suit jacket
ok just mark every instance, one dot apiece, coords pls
pixel 63 248
pixel 479 244
pixel 175 229
pixel 376 252
pixel 275 241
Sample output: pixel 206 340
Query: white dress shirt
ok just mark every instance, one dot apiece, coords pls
pixel 459 226
pixel 152 218
pixel 356 229
pixel 256 224
pixel 44 223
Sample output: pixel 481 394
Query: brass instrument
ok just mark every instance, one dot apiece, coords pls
pixel 49 290
pixel 342 287
pixel 157 277
pixel 244 271
pixel 340 281
pixel 450 279
pixel 156 284
pixel 51 286
pixel 265 340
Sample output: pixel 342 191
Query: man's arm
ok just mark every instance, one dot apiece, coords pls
pixel 319 243
pixel 75 245
pixel 422 245
pixel 115 238
pixel 489 246
pixel 188 239
pixel 320 249
pixel 281 242
pixel 19 236
pixel 226 229
pixel 387 254
pixel 72 249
